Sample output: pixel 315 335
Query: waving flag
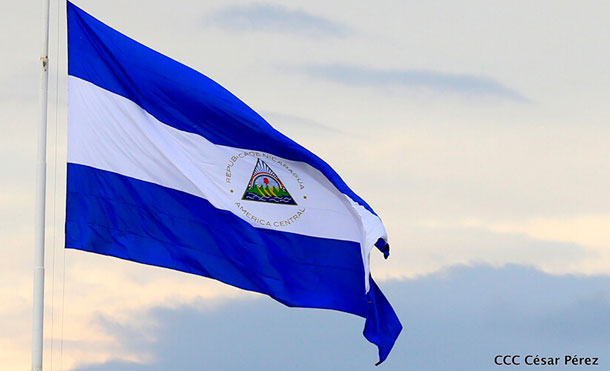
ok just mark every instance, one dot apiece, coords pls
pixel 167 168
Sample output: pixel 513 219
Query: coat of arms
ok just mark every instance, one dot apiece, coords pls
pixel 266 186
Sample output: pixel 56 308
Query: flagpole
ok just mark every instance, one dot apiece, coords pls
pixel 39 226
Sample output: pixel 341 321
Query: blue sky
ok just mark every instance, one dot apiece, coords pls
pixel 477 131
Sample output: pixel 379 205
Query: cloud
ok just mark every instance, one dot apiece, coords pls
pixel 284 121
pixel 586 230
pixel 589 231
pixel 276 19
pixel 434 81
pixel 425 249
pixel 457 319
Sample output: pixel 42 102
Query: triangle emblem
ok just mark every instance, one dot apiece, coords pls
pixel 266 186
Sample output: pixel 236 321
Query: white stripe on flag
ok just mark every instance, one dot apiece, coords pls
pixel 109 132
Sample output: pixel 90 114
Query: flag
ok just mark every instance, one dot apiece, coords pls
pixel 168 168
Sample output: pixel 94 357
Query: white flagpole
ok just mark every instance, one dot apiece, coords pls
pixel 41 172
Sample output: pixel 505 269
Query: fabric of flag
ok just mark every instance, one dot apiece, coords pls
pixel 168 168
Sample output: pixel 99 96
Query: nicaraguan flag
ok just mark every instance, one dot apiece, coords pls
pixel 167 168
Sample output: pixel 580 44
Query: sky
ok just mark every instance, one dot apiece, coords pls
pixel 477 131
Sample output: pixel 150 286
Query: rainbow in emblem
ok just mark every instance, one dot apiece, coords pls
pixel 266 186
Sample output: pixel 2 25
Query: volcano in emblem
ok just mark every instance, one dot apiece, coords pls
pixel 266 186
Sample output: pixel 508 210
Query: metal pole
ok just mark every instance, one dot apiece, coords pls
pixel 41 172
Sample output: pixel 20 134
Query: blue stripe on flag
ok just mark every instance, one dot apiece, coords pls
pixel 176 94
pixel 115 215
